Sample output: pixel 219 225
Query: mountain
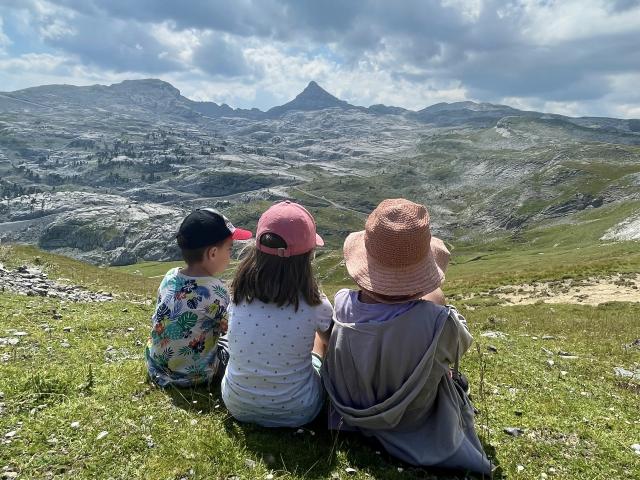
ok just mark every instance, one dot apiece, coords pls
pixel 313 97
pixel 104 173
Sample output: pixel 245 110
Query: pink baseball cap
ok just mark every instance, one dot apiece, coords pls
pixel 294 224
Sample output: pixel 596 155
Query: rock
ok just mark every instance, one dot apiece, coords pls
pixel 548 337
pixel 269 476
pixel 65 344
pixel 492 334
pixel 9 474
pixel 636 448
pixel 623 372
pixel 10 434
pixel 102 434
pixel 513 431
pixel 75 425
pixel 21 334
pixel 67 329
pixel 550 363
pixel 350 471
pixel 520 468
pixel 249 463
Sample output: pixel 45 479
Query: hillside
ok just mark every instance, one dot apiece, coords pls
pixel 97 172
pixel 74 400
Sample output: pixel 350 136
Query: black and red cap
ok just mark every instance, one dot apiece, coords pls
pixel 207 226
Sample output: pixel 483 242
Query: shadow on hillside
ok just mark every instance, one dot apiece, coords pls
pixel 306 452
pixel 354 445
pixel 203 399
pixel 312 452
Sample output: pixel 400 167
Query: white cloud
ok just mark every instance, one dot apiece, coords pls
pixel 554 22
pixel 4 40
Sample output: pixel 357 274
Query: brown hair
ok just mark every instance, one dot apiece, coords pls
pixel 194 255
pixel 273 279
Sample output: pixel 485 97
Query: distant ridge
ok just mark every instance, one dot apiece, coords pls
pixel 145 97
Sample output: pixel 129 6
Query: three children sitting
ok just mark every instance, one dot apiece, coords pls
pixel 384 355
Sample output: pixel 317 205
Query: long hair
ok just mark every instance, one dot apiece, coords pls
pixel 273 279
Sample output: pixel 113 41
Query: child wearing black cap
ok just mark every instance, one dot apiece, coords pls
pixel 191 309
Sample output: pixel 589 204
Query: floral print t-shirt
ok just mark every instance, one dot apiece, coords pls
pixel 190 315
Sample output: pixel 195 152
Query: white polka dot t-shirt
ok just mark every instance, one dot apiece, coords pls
pixel 270 379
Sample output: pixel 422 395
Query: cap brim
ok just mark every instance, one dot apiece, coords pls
pixel 241 234
pixel 319 241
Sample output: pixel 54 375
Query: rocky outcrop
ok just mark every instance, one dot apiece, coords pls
pixel 99 228
pixel 32 282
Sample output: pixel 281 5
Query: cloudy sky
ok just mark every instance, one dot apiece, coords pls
pixel 576 57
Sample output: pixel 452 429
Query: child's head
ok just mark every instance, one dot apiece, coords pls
pixel 278 269
pixel 205 238
pixel 395 258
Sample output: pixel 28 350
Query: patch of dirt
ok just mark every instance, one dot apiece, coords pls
pixel 590 291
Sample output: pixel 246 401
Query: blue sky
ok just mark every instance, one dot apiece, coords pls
pixel 576 57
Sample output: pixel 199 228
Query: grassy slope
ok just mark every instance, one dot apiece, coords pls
pixel 580 423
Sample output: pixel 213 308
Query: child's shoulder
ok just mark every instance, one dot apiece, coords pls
pixel 342 296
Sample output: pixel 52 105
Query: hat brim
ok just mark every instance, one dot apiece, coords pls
pixel 241 234
pixel 421 278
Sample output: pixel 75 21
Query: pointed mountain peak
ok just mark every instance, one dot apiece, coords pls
pixel 313 97
pixel 313 90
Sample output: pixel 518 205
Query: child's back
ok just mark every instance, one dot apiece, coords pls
pixel 190 316
pixel 272 378
pixel 191 308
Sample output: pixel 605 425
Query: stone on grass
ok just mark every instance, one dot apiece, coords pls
pixel 102 434
pixel 9 474
pixel 636 448
pixel 520 468
pixel 10 434
pixel 269 476
pixel 75 425
pixel 249 463
pixel 350 471
pixel 623 372
pixel 513 431
pixel 492 334
pixel 550 363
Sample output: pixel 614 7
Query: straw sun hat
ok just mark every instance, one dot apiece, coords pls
pixel 396 255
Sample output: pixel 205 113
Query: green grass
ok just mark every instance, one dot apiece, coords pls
pixel 581 423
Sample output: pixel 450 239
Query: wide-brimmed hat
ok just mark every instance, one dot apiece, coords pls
pixel 393 256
